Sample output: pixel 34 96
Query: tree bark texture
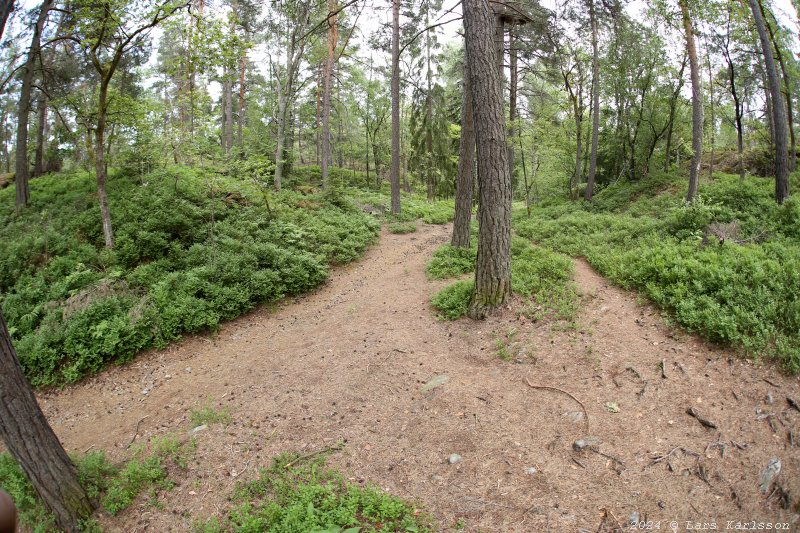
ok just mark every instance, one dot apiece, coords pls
pixel 513 80
pixel 697 103
pixel 595 105
pixel 778 107
pixel 41 137
pixel 6 7
pixel 326 95
pixel 493 265
pixel 23 194
pixel 32 443
pixel 395 173
pixel 466 166
pixel 787 85
pixel 100 163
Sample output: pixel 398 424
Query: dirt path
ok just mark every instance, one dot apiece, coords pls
pixel 347 363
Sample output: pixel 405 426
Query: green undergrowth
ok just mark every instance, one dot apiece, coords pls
pixel 541 277
pixel 413 206
pixel 114 486
pixel 298 494
pixel 193 248
pixel 726 267
pixel 401 227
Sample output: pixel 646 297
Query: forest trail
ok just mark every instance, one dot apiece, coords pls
pixel 347 362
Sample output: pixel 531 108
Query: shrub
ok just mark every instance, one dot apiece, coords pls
pixel 303 495
pixel 452 302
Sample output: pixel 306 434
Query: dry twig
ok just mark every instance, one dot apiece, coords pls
pixel 545 387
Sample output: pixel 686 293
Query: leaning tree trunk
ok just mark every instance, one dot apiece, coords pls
pixel 395 173
pixel 778 107
pixel 326 96
pixel 697 104
pixel 595 105
pixel 23 196
pixel 32 443
pixel 493 265
pixel 466 165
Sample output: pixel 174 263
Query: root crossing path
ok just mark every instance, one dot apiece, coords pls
pixel 351 361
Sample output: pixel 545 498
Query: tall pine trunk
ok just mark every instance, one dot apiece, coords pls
pixel 32 443
pixel 493 265
pixel 326 95
pixel 778 107
pixel 41 137
pixel 697 104
pixel 466 166
pixel 100 163
pixel 23 193
pixel 395 172
pixel 595 105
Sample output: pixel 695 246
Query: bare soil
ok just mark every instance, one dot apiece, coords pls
pixel 347 363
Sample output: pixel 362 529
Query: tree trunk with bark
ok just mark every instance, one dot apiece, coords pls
pixel 513 80
pixel 326 95
pixel 395 173
pixel 100 163
pixel 787 85
pixel 778 107
pixel 23 193
pixel 493 265
pixel 595 105
pixel 466 166
pixel 32 443
pixel 41 138
pixel 697 103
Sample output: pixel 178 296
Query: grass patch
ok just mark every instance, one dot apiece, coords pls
pixel 401 227
pixel 115 487
pixel 303 495
pixel 542 277
pixel 207 415
pixel 452 302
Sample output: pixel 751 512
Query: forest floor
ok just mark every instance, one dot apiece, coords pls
pixel 348 362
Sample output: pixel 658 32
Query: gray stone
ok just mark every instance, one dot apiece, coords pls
pixel 530 470
pixel 454 458
pixel 197 430
pixel 586 442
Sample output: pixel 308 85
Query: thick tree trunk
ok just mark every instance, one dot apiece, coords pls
pixel 493 265
pixel 595 105
pixel 697 104
pixel 512 99
pixel 778 107
pixel 395 173
pixel 100 164
pixel 326 95
pixel 787 85
pixel 6 7
pixel 32 443
pixel 41 122
pixel 466 166
pixel 23 194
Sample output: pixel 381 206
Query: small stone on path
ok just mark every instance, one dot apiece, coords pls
pixel 454 458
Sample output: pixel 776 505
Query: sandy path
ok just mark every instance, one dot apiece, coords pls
pixel 347 363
